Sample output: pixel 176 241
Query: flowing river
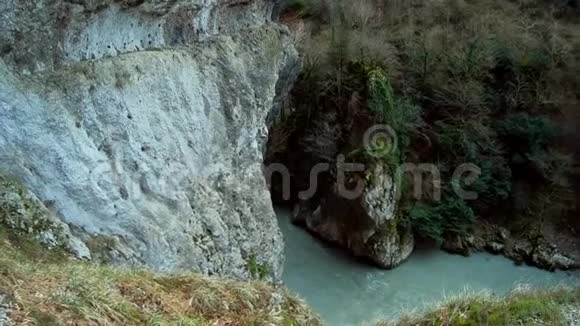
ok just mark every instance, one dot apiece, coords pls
pixel 346 292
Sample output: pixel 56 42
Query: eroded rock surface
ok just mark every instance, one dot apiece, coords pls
pixel 340 193
pixel 24 213
pixel 4 310
pixel 535 250
pixel 367 225
pixel 141 125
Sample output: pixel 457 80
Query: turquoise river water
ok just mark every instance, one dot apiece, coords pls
pixel 346 292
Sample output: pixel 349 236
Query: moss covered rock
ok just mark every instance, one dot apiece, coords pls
pixel 22 212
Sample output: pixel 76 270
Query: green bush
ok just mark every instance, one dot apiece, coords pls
pixel 494 184
pixel 457 216
pixel 399 113
pixel 306 8
pixel 451 215
pixel 426 222
pixel 526 135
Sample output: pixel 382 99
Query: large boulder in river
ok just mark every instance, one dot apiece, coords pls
pixel 368 225
pixel 141 125
pixel 341 160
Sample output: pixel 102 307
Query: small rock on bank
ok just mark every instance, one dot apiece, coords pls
pixel 3 311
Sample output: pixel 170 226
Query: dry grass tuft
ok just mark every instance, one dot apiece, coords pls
pixel 522 307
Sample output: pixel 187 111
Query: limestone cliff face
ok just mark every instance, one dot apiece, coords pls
pixel 141 125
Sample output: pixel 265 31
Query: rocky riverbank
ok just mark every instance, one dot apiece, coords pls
pixel 547 250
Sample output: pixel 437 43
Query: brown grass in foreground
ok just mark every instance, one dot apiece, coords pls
pixel 47 288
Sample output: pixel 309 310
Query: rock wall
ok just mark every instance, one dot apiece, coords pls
pixel 4 311
pixel 141 125
pixel 43 34
pixel 367 226
pixel 309 149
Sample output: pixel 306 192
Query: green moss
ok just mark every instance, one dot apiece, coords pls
pixel 67 80
pixel 28 247
pixel 392 229
pixel 381 97
pixel 399 117
pixel 25 216
pixel 258 271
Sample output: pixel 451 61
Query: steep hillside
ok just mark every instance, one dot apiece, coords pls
pixel 466 106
